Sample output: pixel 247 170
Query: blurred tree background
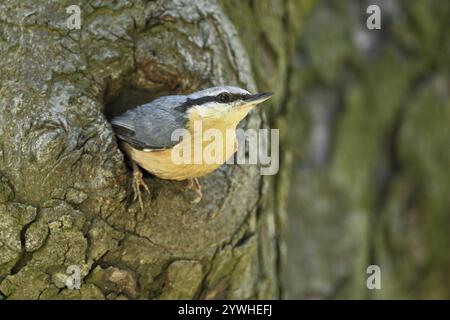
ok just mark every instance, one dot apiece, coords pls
pixel 370 140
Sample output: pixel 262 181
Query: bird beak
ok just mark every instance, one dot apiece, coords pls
pixel 258 98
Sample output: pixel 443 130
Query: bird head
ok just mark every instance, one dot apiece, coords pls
pixel 222 104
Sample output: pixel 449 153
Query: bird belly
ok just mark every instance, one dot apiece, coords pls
pixel 161 162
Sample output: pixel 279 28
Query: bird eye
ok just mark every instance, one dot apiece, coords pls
pixel 224 97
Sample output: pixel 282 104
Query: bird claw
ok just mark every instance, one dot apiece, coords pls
pixel 138 181
pixel 193 184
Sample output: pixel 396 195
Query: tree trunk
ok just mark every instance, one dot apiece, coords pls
pixel 370 122
pixel 65 188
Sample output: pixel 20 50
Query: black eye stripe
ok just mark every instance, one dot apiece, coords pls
pixel 223 97
pixel 197 102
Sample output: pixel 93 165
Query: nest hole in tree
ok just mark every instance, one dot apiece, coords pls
pixel 119 99
pixel 124 99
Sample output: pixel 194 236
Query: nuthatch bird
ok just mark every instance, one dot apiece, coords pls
pixel 146 132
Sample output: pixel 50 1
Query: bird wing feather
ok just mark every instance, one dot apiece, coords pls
pixel 151 125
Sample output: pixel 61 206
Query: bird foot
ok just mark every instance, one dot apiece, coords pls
pixel 193 184
pixel 137 183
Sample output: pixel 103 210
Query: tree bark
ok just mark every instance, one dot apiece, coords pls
pixel 65 188
pixel 370 124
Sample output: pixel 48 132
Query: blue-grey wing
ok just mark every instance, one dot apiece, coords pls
pixel 151 125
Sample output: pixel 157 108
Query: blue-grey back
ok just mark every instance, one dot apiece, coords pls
pixel 150 126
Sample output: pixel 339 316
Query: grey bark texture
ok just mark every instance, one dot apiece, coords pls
pixel 65 189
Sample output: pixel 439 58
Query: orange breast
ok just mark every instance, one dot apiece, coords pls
pixel 165 164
